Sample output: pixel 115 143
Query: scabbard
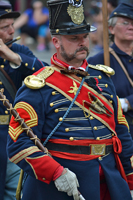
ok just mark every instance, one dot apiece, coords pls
pixel 19 187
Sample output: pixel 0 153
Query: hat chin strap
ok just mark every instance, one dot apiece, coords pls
pixel 72 30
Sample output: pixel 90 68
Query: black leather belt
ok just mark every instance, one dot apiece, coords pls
pixel 92 149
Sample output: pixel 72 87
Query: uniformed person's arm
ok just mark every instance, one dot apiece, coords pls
pixel 123 134
pixel 8 54
pixel 28 156
pixel 29 62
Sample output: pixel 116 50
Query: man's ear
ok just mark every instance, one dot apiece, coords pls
pixel 56 42
pixel 111 29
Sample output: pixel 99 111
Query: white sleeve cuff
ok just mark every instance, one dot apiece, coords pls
pixel 124 105
pixel 15 66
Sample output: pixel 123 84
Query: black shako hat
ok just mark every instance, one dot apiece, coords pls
pixel 66 17
pixel 123 10
pixel 6 11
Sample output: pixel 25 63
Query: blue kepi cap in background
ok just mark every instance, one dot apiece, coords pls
pixel 123 10
pixel 6 11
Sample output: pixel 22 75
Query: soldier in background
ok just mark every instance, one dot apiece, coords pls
pixel 121 57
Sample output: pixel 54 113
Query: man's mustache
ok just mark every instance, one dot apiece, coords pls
pixel 82 48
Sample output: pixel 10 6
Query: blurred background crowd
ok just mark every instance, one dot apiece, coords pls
pixel 33 23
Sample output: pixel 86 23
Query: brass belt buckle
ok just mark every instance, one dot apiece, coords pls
pixel 97 149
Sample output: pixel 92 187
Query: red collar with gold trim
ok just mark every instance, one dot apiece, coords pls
pixel 56 61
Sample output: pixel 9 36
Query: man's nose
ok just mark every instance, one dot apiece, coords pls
pixel 11 29
pixel 82 42
pixel 131 24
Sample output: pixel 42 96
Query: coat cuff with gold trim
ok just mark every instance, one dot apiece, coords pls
pixel 44 167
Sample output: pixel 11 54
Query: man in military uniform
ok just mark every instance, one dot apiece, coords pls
pixel 73 109
pixel 16 62
pixel 121 57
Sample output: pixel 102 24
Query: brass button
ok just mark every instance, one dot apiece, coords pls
pixel 51 104
pixel 60 119
pixel 110 101
pixel 98 138
pixel 111 96
pixel 4 60
pixel 67 129
pixel 130 60
pixel 100 77
pixel 26 64
pixel 0 82
pixel 2 66
pixel 91 118
pixel 53 93
pixel 113 134
pixel 106 85
pixel 71 138
pixel 57 30
pixel 6 112
pixel 56 110
pixel 44 179
pixel 115 13
pixel 100 158
pixel 95 128
pixel 33 68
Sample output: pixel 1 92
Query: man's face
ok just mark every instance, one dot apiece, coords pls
pixel 6 29
pixel 123 30
pixel 74 47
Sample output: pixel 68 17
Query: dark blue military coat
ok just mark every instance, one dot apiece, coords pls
pixel 29 65
pixel 121 82
pixel 42 109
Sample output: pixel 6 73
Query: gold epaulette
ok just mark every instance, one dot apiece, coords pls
pixel 38 81
pixel 104 68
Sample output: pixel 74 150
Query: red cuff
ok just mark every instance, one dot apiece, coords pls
pixel 58 172
pixel 44 168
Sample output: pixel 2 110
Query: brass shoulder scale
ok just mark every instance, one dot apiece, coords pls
pixel 38 81
pixel 104 68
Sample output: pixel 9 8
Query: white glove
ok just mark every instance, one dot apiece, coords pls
pixel 131 193
pixel 68 183
pixel 124 105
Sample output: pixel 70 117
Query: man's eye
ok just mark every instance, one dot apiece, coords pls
pixel 125 23
pixel 86 36
pixel 5 27
pixel 74 38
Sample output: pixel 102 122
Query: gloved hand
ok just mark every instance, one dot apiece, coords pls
pixel 68 183
pixel 131 193
pixel 124 104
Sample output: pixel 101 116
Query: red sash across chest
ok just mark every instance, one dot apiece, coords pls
pixel 68 86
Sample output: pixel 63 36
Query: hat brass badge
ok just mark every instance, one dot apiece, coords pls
pixel 76 14
pixel 8 10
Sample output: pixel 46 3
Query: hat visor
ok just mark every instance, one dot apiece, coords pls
pixel 125 15
pixel 93 28
pixel 10 15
